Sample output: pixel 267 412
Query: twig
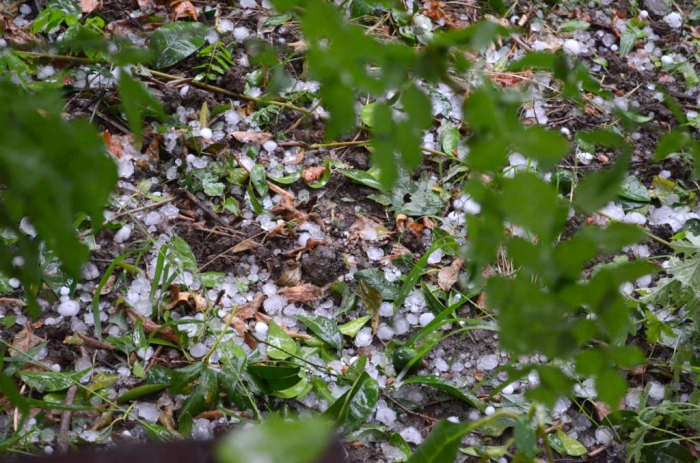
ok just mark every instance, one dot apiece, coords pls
pixel 128 213
pixel 66 416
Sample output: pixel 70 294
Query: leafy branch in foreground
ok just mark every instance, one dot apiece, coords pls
pixel 52 170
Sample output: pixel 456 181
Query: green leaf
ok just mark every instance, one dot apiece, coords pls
pixel 449 138
pixel 324 328
pixel 50 381
pixel 259 180
pixel 564 444
pixel 667 452
pixel 353 327
pixel 352 408
pixel 376 279
pixel 598 188
pixel 532 203
pixel 50 183
pixel 525 438
pixel 574 25
pixel 277 20
pixel 367 114
pixel 633 190
pixel 442 443
pixel 277 441
pixel 174 42
pixel 136 98
pixel 281 345
pixel 627 41
pixel 287 179
pixel 204 396
pixel 140 391
pixel 362 177
pixel 446 385
pixel 278 376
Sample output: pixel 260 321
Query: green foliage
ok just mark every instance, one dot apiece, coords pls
pixel 174 42
pixel 53 170
pixel 218 60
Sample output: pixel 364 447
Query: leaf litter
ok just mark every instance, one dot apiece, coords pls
pixel 461 362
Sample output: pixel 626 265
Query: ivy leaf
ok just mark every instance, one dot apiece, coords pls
pixel 174 42
pixel 281 344
pixel 324 328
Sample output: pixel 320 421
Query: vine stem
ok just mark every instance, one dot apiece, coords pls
pixel 223 91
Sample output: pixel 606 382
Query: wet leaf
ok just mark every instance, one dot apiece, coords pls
pixel 258 177
pixel 446 385
pixel 633 190
pixel 276 376
pixel 367 114
pixel 51 381
pixel 353 327
pixel 525 438
pixel 281 344
pixel 449 138
pixel 141 391
pixel 564 444
pixel 372 299
pixel 324 328
pixel 174 42
pixel 204 396
pixel 352 408
pixel 362 177
pixel 277 441
pixel 574 25
pixel 376 279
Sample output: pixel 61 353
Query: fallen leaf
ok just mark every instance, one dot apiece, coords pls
pixel 149 326
pixel 252 137
pixel 249 310
pixel 194 300
pixel 88 6
pixel 290 276
pixel 448 276
pixel 245 245
pixel 285 208
pixel 123 27
pixel 312 174
pixel 183 9
pixel 294 159
pixel 292 334
pixel 16 36
pixel 24 340
pixel 302 293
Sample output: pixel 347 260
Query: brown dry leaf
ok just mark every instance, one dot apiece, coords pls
pixel 249 310
pixel 88 6
pixel 108 286
pixel 198 302
pixel 183 9
pixel 290 276
pixel 366 229
pixel 245 245
pixel 416 227
pixel 285 208
pixel 252 137
pixel 299 45
pixel 447 276
pixel 602 409
pixel 312 174
pixel 295 159
pixel 302 293
pixel 18 37
pixel 149 326
pixel 122 27
pixel 24 340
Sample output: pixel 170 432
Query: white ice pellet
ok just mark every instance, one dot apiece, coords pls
pixel 656 390
pixel 364 337
pixel 90 271
pixel 507 390
pixel 614 211
pixel 573 46
pixel 261 328
pixel 666 59
pixel 26 226
pixel 274 304
pixel 644 14
pixel 14 283
pixel 125 168
pixel 123 234
pixel 375 253
pixel 487 362
pixel 411 435
pixel 386 309
pixel 45 72
pixel 270 146
pixel 206 133
pixel 604 435
pixel 488 411
pixel 248 4
pixel 436 256
pixel 241 33
pixel 386 416
pixel 426 318
pixel 384 332
pixel 634 218
pixel 674 20
pixel 401 325
pixel 64 291
pixel 69 308
pixel 148 411
pixel 153 218
pixel 198 350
